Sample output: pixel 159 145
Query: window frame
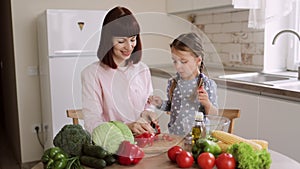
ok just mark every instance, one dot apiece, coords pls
pixel 293 60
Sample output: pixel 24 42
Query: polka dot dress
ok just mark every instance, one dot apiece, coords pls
pixel 185 103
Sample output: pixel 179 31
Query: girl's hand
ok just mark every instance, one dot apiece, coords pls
pixel 203 97
pixel 155 100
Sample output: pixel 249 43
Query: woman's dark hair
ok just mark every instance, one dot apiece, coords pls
pixel 118 22
pixel 190 42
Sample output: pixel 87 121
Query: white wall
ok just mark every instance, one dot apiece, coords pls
pixel 24 15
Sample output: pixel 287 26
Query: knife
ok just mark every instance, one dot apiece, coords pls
pixel 156 127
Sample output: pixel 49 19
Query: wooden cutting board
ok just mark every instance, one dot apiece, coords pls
pixel 162 145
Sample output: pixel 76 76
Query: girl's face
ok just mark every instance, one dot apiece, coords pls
pixel 122 48
pixel 186 63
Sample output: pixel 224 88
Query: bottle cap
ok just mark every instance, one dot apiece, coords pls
pixel 199 116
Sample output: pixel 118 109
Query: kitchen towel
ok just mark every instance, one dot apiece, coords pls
pixel 262 11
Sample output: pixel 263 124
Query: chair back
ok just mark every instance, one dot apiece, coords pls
pixel 231 114
pixel 75 114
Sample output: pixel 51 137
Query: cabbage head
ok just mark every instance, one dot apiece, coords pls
pixel 110 135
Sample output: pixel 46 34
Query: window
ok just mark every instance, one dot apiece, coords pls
pixel 294 54
pixel 284 55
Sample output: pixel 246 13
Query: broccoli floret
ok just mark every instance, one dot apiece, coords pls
pixel 71 138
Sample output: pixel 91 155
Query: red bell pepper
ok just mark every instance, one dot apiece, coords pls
pixel 129 154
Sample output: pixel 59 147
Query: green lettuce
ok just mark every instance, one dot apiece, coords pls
pixel 247 158
pixel 110 135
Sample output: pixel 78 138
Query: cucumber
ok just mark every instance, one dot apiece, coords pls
pixel 92 162
pixel 94 151
pixel 110 160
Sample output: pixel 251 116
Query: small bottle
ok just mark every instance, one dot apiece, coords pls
pixel 188 142
pixel 199 130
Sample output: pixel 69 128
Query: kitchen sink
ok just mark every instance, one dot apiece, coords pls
pixel 293 85
pixel 256 77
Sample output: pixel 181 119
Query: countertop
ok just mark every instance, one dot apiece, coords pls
pixel 166 71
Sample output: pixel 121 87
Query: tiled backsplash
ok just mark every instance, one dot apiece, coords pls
pixel 237 45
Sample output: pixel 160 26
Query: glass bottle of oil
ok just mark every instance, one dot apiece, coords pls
pixel 198 130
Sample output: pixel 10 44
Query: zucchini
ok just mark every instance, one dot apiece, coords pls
pixel 94 151
pixel 92 162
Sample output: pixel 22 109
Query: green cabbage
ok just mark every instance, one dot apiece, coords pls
pixel 110 135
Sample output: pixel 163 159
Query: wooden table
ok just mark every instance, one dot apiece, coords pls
pixel 161 161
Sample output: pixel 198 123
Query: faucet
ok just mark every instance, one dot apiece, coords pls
pixel 290 31
pixel 283 31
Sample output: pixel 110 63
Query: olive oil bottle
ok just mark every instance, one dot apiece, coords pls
pixel 199 129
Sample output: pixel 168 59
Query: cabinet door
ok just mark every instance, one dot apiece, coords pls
pixel 206 4
pixel 247 125
pixel 279 124
pixel 177 6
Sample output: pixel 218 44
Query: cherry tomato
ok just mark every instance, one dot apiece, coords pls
pixel 225 161
pixel 185 159
pixel 173 152
pixel 206 160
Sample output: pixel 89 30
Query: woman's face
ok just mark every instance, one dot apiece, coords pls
pixel 122 48
pixel 186 63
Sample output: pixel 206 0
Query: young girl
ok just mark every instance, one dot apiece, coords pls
pixel 190 90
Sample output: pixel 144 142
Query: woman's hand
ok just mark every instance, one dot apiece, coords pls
pixel 155 100
pixel 149 116
pixel 140 127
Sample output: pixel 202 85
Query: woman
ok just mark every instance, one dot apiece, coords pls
pixel 116 87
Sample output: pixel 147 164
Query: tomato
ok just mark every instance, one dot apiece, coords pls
pixel 173 152
pixel 185 159
pixel 206 160
pixel 225 161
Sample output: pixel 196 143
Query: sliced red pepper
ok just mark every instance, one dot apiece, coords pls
pixel 141 142
pixel 144 139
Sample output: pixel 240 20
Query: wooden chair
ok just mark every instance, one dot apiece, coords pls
pixel 75 114
pixel 231 114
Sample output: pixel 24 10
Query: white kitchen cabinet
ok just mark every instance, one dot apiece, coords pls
pixel 247 125
pixel 269 118
pixel 178 6
pixel 279 124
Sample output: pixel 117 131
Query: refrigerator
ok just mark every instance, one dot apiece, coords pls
pixel 67 42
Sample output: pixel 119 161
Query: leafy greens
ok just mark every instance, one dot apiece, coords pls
pixel 247 158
